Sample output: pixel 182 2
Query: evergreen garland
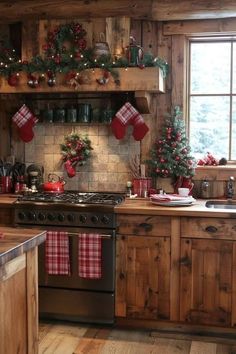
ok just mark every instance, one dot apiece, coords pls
pixel 170 156
pixel 61 59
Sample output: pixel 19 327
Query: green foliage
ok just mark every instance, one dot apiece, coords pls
pixel 74 56
pixel 76 149
pixel 170 156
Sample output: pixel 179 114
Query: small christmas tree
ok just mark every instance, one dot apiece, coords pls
pixel 170 156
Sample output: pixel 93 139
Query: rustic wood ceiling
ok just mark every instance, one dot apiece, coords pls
pixel 158 10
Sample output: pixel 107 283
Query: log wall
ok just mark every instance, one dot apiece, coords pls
pixel 164 39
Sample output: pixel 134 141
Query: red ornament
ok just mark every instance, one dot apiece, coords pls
pixel 13 80
pixel 177 158
pixel 169 136
pixel 174 144
pixel 141 66
pixel 184 151
pixel 162 160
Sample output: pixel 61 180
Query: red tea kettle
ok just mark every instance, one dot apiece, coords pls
pixel 54 186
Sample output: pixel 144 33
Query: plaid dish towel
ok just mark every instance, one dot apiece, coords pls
pixel 57 253
pixel 89 256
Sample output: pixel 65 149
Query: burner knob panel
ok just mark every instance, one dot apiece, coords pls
pixel 61 217
pixel 51 217
pixel 94 219
pixel 71 218
pixel 105 219
pixel 21 215
pixel 31 215
pixel 41 216
pixel 82 219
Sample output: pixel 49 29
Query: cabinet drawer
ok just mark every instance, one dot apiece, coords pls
pixel 212 228
pixel 145 225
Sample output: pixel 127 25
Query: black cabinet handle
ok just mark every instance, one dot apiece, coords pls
pixel 145 226
pixel 211 229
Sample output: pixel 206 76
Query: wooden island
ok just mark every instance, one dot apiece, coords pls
pixel 19 289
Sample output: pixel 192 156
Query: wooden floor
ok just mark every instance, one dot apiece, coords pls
pixel 71 338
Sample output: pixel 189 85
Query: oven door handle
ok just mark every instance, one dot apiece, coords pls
pixel 102 235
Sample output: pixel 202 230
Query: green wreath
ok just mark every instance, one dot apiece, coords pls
pixel 72 33
pixel 76 149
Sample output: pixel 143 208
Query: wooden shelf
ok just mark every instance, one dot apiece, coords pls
pixel 141 81
pixel 131 79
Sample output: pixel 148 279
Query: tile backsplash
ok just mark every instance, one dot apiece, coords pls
pixel 107 169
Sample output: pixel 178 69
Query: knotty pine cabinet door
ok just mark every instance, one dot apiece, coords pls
pixel 143 277
pixel 208 281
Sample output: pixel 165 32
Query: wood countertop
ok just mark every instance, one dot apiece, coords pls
pixel 145 207
pixel 7 199
pixel 16 241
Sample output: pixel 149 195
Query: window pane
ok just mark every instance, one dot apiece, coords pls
pixel 233 146
pixel 234 67
pixel 210 68
pixel 209 126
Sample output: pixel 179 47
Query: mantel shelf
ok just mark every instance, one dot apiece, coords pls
pixel 141 81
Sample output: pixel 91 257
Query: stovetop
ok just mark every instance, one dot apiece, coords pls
pixel 70 208
pixel 74 197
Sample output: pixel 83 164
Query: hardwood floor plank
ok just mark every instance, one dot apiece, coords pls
pixel 93 341
pixel 61 338
pixel 202 348
pixel 75 338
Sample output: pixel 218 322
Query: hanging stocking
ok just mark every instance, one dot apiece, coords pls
pixel 25 121
pixel 125 116
pixel 140 127
pixel 70 169
pixel 122 119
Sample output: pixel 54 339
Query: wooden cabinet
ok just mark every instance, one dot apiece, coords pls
pixel 143 267
pixel 6 215
pixel 208 271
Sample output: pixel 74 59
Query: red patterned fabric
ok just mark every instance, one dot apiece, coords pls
pixel 89 256
pixel 25 121
pixel 128 115
pixel 57 256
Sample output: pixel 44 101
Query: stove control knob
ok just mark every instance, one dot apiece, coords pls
pixel 51 217
pixel 94 219
pixel 21 215
pixel 82 219
pixel 31 215
pixel 41 216
pixel 70 217
pixel 105 219
pixel 61 217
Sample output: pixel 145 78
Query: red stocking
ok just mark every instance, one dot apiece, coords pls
pixel 25 121
pixel 70 169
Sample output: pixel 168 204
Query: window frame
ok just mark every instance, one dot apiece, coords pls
pixel 210 39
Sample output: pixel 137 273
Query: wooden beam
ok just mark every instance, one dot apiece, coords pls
pixel 200 27
pixel 158 10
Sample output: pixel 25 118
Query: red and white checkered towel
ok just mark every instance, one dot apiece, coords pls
pixel 57 256
pixel 90 256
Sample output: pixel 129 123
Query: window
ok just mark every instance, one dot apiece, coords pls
pixel 212 97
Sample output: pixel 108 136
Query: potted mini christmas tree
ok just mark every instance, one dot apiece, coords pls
pixel 170 157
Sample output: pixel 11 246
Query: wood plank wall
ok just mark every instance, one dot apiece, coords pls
pixel 164 39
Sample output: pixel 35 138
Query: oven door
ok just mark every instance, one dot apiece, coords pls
pixel 74 298
pixel 73 281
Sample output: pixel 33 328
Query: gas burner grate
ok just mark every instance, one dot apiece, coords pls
pixel 73 197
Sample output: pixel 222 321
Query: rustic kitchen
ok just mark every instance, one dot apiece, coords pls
pixel 117 177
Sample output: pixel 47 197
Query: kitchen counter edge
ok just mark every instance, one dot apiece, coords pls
pixel 145 207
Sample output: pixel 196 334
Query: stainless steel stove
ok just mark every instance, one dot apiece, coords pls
pixel 71 297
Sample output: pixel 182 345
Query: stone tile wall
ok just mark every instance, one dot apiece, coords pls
pixel 108 167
